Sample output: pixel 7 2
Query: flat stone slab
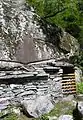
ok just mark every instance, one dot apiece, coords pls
pixel 23 77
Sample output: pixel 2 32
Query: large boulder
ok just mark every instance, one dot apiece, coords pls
pixel 69 44
pixel 37 107
pixel 65 117
pixel 24 37
pixel 21 37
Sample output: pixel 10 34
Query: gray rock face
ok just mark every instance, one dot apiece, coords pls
pixel 69 44
pixel 65 117
pixel 78 74
pixel 22 38
pixel 37 107
pixel 20 33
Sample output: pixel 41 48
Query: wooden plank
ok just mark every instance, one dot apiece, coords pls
pixel 73 92
pixel 68 80
pixel 72 74
pixel 68 87
pixel 68 83
pixel 69 77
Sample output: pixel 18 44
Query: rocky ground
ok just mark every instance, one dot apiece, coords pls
pixel 64 109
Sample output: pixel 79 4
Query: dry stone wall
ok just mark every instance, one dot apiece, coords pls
pixel 20 84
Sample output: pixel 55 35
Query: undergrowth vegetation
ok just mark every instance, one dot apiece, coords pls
pixel 80 88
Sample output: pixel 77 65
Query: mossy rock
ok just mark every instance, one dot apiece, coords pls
pixel 69 44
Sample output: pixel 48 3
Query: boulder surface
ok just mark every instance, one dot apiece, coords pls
pixel 37 107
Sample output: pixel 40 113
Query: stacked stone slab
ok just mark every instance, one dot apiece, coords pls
pixel 18 82
pixel 55 78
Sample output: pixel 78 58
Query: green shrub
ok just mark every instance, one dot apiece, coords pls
pixel 80 87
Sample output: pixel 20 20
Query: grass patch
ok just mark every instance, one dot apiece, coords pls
pixel 62 108
pixel 11 116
